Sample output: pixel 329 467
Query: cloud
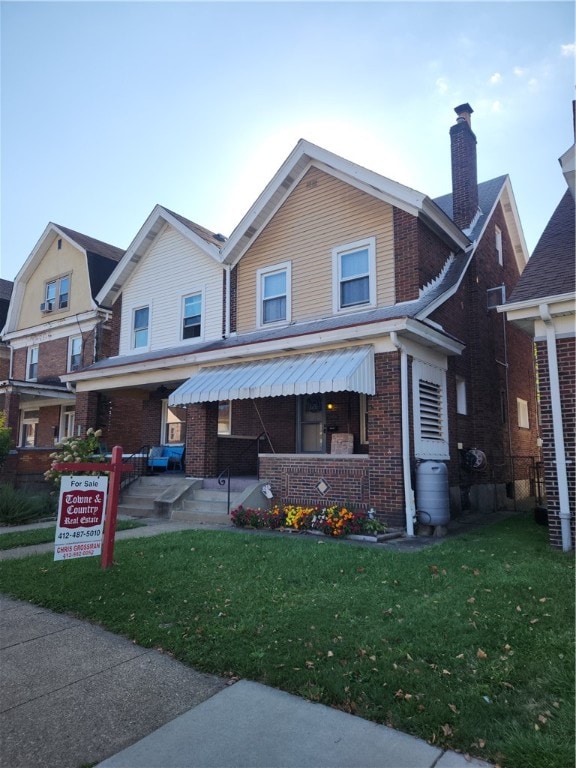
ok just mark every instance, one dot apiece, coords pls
pixel 496 78
pixel 496 106
pixel 568 50
pixel 441 85
pixel 519 71
pixel 533 84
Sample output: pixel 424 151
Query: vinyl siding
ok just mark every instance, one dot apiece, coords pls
pixel 56 263
pixel 321 213
pixel 172 268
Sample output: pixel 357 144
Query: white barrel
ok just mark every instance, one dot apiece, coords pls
pixel 432 494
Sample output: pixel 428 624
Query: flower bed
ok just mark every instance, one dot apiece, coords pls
pixel 333 521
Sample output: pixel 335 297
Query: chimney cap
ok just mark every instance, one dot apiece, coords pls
pixel 463 108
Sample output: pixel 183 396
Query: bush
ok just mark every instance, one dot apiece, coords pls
pixel 18 507
pixel 332 521
pixel 75 450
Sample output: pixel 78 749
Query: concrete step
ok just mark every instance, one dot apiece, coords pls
pixel 137 511
pixel 208 496
pixel 202 515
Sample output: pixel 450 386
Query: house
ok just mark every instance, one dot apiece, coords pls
pixel 544 305
pixel 5 293
pixel 53 326
pixel 354 339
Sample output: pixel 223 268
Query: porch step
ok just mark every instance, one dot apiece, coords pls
pixel 140 498
pixel 209 504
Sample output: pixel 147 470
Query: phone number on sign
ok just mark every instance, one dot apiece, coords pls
pixel 63 535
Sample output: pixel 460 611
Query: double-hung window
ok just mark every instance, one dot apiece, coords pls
pixel 354 269
pixel 75 353
pixel 32 364
pixel 274 290
pixel 57 294
pixel 140 326
pixel 29 428
pixel 192 317
pixel 67 421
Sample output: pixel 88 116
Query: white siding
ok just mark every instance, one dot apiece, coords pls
pixel 172 268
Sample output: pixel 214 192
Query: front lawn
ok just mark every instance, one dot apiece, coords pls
pixel 32 536
pixel 467 644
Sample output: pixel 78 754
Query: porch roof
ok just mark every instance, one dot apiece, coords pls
pixel 336 370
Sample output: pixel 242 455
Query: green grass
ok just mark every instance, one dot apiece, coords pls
pixel 467 644
pixel 13 539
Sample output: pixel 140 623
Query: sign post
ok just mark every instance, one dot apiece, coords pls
pixel 115 469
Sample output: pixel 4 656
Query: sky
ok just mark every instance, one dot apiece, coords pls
pixel 108 108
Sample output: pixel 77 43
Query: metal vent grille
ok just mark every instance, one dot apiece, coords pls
pixel 430 410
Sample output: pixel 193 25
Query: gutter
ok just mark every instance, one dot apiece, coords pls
pixel 559 448
pixel 409 500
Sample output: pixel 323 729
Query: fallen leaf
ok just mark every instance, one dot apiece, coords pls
pixel 329 653
pixel 481 654
pixel 471 600
pixel 454 708
pixel 446 730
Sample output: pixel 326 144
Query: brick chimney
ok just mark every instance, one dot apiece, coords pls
pixel 464 175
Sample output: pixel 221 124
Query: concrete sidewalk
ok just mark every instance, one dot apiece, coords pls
pixel 73 695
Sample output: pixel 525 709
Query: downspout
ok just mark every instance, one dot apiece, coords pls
pixel 559 449
pixel 409 501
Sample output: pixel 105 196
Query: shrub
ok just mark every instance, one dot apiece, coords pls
pixel 76 450
pixel 333 521
pixel 18 506
pixel 5 440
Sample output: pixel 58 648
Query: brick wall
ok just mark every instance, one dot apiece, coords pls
pixel 566 354
pixel 201 458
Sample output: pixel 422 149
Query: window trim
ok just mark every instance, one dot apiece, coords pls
pixel 498 244
pixel 200 292
pixel 29 362
pixel 261 274
pixel 55 304
pixel 461 396
pixel 523 413
pixel 134 330
pixel 227 431
pixel 337 253
pixel 427 447
pixel 71 341
pixel 66 410
pixel 32 420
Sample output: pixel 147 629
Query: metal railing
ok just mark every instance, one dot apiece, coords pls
pixel 139 459
pixel 224 476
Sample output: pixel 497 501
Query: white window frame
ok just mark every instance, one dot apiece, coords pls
pixel 523 415
pixel 461 396
pixel 167 421
pixel 53 299
pixel 261 276
pixel 426 447
pixel 28 420
pixel 67 422
pixel 342 250
pixel 32 358
pixel 72 342
pixel 134 330
pixel 190 295
pixel 498 244
pixel 363 419
pixel 225 427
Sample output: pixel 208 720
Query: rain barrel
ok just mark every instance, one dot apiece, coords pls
pixel 432 496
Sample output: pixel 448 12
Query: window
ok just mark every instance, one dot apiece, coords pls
pixel 430 411
pixel 461 404
pixel 140 327
pixel 498 239
pixel 225 417
pixel 355 275
pixel 523 418
pixel 192 317
pixel 75 353
pixel 363 419
pixel 29 427
pixel 274 291
pixel 67 422
pixel 32 364
pixel 174 424
pixel 57 294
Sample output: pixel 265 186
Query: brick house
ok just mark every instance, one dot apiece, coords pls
pixel 5 294
pixel 53 326
pixel 544 304
pixel 344 337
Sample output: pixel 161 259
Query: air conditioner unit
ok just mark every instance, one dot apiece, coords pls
pixel 47 306
pixel 495 297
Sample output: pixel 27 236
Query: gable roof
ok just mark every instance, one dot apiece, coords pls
pixel 550 270
pixel 306 155
pixel 5 289
pixel 92 245
pixel 208 242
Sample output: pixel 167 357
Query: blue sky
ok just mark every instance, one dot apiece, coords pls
pixel 108 108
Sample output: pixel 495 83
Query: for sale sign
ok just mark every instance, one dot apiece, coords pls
pixel 81 513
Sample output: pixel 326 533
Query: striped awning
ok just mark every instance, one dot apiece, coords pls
pixel 337 370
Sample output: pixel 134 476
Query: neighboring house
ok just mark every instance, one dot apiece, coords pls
pixel 5 293
pixel 53 326
pixel 544 304
pixel 167 295
pixel 358 338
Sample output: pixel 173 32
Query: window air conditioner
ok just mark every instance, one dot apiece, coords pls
pixel 495 297
pixel 46 306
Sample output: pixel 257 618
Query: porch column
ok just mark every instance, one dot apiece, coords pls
pixel 201 458
pixel 86 411
pixel 12 410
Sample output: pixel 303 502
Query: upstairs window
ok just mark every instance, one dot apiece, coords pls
pixel 57 294
pixel 192 317
pixel 274 289
pixel 498 244
pixel 140 323
pixel 32 364
pixel 75 353
pixel 354 275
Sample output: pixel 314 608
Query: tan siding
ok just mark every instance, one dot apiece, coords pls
pixel 321 213
pixel 172 268
pixel 56 263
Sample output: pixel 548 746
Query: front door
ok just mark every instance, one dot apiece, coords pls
pixel 311 422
